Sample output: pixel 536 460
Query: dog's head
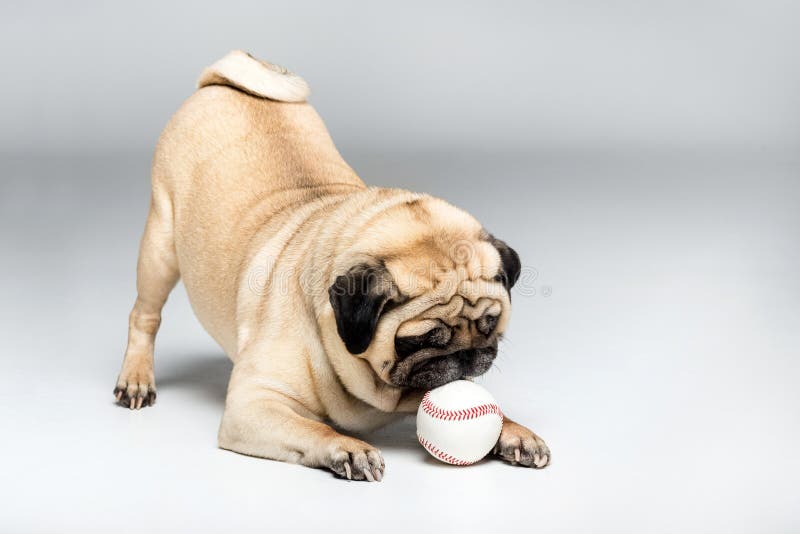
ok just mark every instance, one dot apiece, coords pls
pixel 423 295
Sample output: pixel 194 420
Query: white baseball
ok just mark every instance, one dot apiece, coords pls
pixel 459 423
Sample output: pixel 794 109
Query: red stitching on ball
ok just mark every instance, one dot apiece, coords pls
pixel 436 412
pixel 441 454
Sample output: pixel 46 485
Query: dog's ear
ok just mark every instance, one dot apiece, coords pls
pixel 357 298
pixel 510 266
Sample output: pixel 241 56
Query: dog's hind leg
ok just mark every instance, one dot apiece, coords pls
pixel 156 275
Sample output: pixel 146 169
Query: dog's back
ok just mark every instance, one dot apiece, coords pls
pixel 244 136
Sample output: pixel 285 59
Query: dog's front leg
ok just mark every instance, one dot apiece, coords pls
pixel 262 422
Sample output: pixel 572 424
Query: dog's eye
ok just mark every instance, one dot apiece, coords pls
pixel 487 324
pixel 437 337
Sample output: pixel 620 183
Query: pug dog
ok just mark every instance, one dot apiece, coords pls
pixel 339 304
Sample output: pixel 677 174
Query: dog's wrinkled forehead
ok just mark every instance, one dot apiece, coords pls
pixel 458 275
pixel 457 266
pixel 457 310
pixel 462 304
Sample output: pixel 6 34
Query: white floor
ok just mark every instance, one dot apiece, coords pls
pixel 657 351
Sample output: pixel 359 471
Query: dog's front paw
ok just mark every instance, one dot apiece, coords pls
pixel 136 385
pixel 520 446
pixel 354 459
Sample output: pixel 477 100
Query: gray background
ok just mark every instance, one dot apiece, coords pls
pixel 642 157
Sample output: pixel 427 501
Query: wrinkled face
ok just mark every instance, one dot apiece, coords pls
pixel 430 313
pixel 447 344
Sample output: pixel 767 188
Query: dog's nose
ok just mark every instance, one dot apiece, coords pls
pixel 486 324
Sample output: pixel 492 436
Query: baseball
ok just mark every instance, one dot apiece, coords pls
pixel 459 423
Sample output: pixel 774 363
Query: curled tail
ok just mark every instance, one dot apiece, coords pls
pixel 259 78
